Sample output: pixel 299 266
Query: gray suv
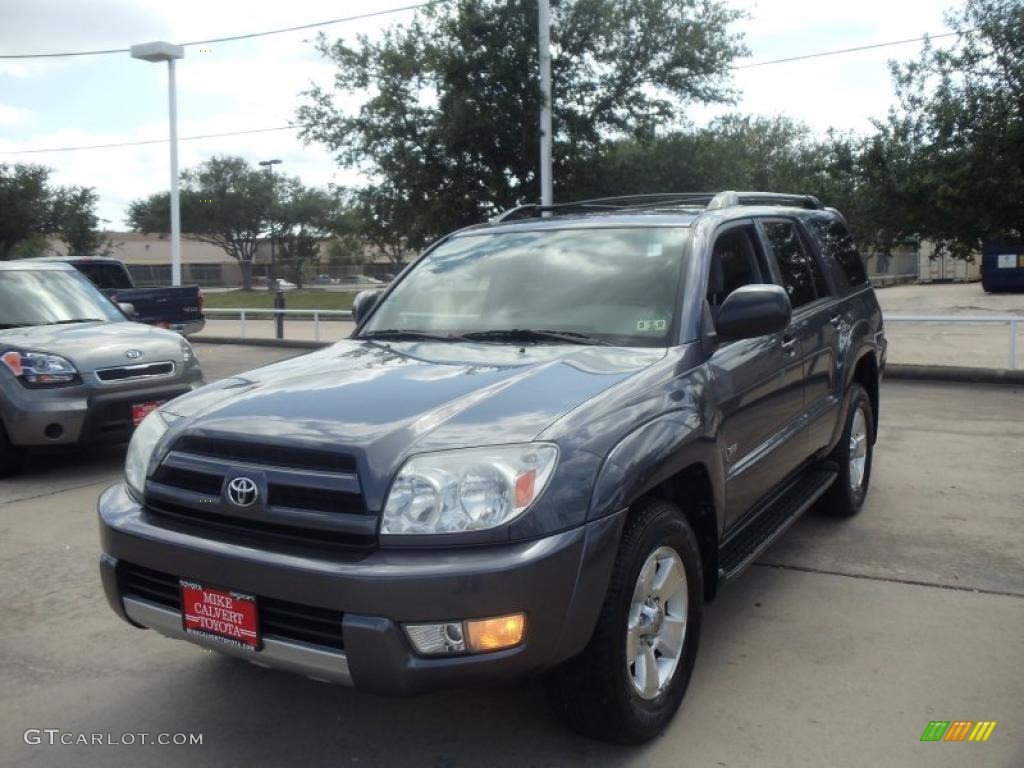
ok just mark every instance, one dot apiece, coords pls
pixel 73 369
pixel 546 445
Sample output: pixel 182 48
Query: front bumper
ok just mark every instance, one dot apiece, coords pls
pixel 86 413
pixel 558 581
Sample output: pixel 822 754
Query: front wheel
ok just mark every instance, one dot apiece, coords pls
pixel 853 457
pixel 10 457
pixel 630 679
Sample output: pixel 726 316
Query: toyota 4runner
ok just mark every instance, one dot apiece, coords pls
pixel 543 449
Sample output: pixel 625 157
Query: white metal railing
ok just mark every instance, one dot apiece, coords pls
pixel 1010 320
pixel 243 313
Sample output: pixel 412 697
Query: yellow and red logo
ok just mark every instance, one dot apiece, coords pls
pixel 958 730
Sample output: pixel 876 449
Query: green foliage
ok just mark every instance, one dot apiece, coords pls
pixel 224 201
pixel 952 153
pixel 236 206
pixel 303 218
pixel 31 208
pixel 298 299
pixel 26 205
pixel 448 128
pixel 76 221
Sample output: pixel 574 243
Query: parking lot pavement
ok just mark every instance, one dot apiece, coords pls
pixel 976 346
pixel 837 649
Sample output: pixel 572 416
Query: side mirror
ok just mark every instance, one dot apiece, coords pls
pixel 753 310
pixel 128 309
pixel 363 303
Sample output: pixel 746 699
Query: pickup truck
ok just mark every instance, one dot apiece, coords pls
pixel 544 448
pixel 178 309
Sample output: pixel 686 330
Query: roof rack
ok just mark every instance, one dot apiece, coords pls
pixel 659 201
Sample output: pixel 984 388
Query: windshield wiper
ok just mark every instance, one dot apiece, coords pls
pixel 404 334
pixel 77 320
pixel 7 326
pixel 535 334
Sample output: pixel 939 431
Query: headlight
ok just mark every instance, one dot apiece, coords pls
pixel 187 355
pixel 140 450
pixel 467 490
pixel 38 369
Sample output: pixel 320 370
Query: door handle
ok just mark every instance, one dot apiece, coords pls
pixel 836 320
pixel 788 344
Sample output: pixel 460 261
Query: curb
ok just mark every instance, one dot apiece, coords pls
pixel 954 373
pixel 294 343
pixel 950 373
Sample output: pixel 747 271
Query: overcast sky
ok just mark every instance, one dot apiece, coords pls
pixel 256 83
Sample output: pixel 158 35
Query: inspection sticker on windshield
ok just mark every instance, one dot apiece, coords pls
pixel 652 325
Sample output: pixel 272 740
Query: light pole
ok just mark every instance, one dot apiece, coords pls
pixel 269 165
pixel 161 51
pixel 544 40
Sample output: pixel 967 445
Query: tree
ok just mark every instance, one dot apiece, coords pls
pixel 26 205
pixel 304 218
pixel 74 213
pixel 952 151
pixel 448 131
pixel 224 201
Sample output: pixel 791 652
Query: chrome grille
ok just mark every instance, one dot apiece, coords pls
pixel 305 496
pixel 141 371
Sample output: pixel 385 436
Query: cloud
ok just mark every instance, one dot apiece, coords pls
pixel 14 115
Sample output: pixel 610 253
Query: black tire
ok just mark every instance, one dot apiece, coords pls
pixel 843 499
pixel 593 693
pixel 10 457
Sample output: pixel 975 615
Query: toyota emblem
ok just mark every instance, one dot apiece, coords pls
pixel 133 354
pixel 242 492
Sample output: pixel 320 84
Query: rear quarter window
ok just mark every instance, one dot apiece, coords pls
pixel 837 243
pixel 105 276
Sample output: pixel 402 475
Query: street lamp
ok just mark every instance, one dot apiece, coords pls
pixel 161 51
pixel 269 165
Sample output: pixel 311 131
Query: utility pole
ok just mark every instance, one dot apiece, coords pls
pixel 546 185
pixel 161 51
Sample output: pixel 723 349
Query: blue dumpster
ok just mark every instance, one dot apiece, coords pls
pixel 1002 265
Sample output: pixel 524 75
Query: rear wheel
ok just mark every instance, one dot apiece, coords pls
pixel 630 679
pixel 853 456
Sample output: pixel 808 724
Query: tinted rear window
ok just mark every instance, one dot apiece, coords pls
pixel 837 243
pixel 105 276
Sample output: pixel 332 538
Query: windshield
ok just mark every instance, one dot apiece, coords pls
pixel 618 286
pixel 43 297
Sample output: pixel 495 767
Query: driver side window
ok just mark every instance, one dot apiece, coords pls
pixel 734 263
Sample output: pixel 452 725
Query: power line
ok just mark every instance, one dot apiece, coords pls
pixel 231 38
pixel 147 141
pixel 803 57
pixel 845 50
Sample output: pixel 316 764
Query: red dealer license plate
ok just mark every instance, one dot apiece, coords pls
pixel 142 410
pixel 224 616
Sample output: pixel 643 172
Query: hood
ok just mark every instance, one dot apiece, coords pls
pixel 382 402
pixel 96 345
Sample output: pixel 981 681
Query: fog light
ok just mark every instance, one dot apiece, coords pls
pixel 436 639
pixel 495 634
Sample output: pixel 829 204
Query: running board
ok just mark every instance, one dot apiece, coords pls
pixel 782 510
